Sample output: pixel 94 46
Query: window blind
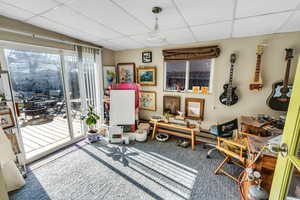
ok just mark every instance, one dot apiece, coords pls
pixel 207 52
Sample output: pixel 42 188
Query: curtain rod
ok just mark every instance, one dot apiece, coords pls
pixel 35 36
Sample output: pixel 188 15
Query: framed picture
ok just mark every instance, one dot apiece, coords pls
pixel 146 76
pixel 109 76
pixel 148 100
pixel 171 104
pixel 126 72
pixel 6 119
pixel 194 108
pixel 147 57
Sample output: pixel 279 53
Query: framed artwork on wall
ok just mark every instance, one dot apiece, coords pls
pixel 6 119
pixel 126 72
pixel 146 76
pixel 148 100
pixel 109 75
pixel 171 104
pixel 147 57
pixel 194 108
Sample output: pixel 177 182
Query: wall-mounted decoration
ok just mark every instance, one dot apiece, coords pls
pixel 109 75
pixel 171 104
pixel 147 57
pixel 148 100
pixel 194 108
pixel 146 76
pixel 6 119
pixel 126 72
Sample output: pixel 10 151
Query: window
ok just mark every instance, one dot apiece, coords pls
pixel 184 75
pixel 175 72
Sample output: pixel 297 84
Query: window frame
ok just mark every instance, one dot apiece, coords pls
pixel 187 76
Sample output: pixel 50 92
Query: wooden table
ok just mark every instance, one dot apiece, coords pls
pixel 175 129
pixel 254 126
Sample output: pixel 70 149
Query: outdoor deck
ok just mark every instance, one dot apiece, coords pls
pixel 44 136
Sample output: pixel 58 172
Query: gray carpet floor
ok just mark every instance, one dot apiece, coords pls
pixel 150 170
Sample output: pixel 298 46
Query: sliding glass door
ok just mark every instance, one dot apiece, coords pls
pixel 39 93
pixel 52 91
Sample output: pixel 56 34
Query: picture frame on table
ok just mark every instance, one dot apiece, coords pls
pixel 147 57
pixel 109 76
pixel 171 104
pixel 148 100
pixel 126 72
pixel 194 108
pixel 146 76
pixel 6 119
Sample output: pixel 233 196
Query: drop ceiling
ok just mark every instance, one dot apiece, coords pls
pixel 124 24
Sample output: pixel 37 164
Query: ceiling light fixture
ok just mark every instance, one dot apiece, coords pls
pixel 155 36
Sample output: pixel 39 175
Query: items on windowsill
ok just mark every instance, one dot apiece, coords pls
pixel 196 89
pixel 204 90
pixel 162 137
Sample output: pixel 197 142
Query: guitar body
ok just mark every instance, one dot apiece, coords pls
pixel 280 97
pixel 256 85
pixel 226 99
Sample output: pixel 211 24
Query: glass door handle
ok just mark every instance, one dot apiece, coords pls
pixel 276 148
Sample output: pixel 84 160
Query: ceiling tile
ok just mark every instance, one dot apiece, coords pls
pixel 109 14
pixel 179 36
pixel 168 18
pixel 258 7
pixel 143 39
pixel 212 31
pixel 198 12
pixel 126 43
pixel 66 16
pixel 293 23
pixel 50 25
pixel 265 24
pixel 14 12
pixel 35 6
pixel 109 45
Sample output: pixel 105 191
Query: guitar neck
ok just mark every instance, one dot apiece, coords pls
pixel 230 75
pixel 287 74
pixel 257 69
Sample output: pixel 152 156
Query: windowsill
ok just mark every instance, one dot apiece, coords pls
pixel 187 92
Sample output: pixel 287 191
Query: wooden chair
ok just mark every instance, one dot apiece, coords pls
pixel 232 146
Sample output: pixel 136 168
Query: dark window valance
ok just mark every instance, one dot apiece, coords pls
pixel 191 53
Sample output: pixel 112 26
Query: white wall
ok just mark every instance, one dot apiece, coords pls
pixel 250 103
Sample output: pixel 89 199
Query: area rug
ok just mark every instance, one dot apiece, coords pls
pixel 150 170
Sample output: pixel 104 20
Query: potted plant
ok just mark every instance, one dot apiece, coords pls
pixel 91 120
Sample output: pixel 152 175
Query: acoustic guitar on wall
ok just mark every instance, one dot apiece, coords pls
pixel 257 84
pixel 282 91
pixel 228 97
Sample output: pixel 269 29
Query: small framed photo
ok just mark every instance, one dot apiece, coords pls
pixel 171 104
pixel 148 100
pixel 146 76
pixel 147 57
pixel 109 76
pixel 126 72
pixel 6 119
pixel 194 108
